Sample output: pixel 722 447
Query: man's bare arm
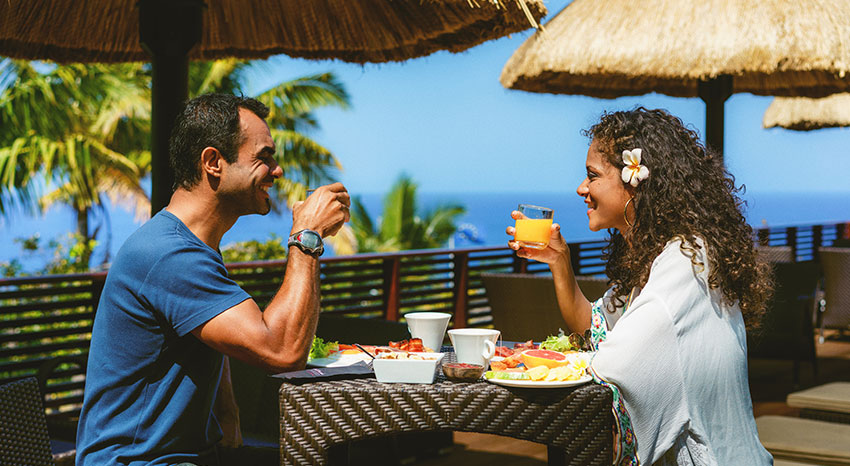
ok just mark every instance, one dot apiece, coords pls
pixel 279 338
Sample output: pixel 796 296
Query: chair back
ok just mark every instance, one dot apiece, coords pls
pixel 786 330
pixel 57 374
pixel 525 307
pixel 836 271
pixel 360 330
pixel 592 287
pixel 23 427
pixel 775 254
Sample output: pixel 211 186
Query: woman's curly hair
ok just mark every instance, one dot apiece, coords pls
pixel 688 194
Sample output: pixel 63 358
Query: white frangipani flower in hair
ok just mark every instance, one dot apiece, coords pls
pixel 633 172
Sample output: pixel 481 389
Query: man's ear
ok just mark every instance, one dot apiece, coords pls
pixel 212 161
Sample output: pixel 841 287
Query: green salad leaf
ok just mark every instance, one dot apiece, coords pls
pixel 564 343
pixel 559 342
pixel 322 349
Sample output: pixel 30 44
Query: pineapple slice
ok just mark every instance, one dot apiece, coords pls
pixel 538 373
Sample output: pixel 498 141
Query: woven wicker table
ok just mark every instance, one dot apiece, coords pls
pixel 575 423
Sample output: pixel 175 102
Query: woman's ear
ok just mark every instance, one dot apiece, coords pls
pixel 211 161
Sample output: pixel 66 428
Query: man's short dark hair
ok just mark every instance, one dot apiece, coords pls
pixel 209 120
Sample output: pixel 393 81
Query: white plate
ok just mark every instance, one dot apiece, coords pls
pixel 532 384
pixel 339 360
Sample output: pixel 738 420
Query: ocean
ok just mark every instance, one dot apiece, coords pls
pixel 487 215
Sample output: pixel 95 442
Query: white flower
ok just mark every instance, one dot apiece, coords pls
pixel 633 172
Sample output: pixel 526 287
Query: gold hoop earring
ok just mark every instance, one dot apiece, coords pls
pixel 625 209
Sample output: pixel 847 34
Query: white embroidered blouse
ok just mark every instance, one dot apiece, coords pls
pixel 679 358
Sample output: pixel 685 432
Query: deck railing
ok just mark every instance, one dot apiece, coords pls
pixel 49 318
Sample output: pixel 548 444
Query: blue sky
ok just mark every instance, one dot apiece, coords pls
pixel 447 121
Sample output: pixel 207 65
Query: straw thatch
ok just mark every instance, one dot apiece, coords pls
pixel 352 30
pixel 612 48
pixel 804 114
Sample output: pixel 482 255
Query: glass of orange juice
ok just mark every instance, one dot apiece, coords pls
pixel 534 229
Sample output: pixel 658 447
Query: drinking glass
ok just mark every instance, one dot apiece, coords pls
pixel 534 229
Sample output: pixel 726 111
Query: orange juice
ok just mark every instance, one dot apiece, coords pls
pixel 534 232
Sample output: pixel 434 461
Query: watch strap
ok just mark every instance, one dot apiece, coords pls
pixel 297 239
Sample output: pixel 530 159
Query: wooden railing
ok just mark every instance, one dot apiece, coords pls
pixel 48 319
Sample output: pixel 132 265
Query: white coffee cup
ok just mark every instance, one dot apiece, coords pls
pixel 474 345
pixel 429 326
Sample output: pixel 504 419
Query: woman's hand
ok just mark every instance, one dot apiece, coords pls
pixel 556 251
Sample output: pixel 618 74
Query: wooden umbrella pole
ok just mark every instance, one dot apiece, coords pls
pixel 168 29
pixel 714 92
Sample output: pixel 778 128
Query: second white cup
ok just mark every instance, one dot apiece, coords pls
pixel 474 345
pixel 429 326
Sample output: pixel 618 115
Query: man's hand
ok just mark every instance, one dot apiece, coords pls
pixel 324 212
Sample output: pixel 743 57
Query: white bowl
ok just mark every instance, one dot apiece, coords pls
pixel 407 370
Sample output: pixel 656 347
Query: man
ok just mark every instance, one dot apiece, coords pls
pixel 168 309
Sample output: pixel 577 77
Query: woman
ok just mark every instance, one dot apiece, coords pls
pixel 670 332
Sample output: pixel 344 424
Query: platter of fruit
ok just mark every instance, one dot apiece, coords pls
pixel 559 361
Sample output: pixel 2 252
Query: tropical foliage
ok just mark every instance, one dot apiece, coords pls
pixel 72 134
pixel 403 225
pixel 77 134
pixel 253 250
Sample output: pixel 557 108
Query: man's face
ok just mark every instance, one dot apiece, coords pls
pixel 245 183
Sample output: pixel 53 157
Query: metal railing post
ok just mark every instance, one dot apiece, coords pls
pixel 791 238
pixel 575 257
pixel 520 265
pixel 392 287
pixel 461 289
pixel 817 239
pixel 763 236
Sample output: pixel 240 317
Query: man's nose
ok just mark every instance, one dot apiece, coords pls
pixel 277 170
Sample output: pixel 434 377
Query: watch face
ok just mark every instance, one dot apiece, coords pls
pixel 310 239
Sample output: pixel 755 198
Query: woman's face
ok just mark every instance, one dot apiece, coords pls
pixel 604 192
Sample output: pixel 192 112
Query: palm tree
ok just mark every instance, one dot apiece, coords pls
pixel 401 227
pixel 85 129
pixel 61 125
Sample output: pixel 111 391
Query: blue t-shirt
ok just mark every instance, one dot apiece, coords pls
pixel 150 384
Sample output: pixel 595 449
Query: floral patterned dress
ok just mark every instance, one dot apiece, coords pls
pixel 625 451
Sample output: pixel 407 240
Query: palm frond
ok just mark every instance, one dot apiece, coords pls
pixel 440 223
pixel 361 221
pixel 291 103
pixel 399 209
pixel 216 76
pixel 305 164
pixel 344 242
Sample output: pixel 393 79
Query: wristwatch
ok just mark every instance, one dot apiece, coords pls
pixel 307 241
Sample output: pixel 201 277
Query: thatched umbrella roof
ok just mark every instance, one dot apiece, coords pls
pixel 170 32
pixel 352 30
pixel 804 114
pixel 612 48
